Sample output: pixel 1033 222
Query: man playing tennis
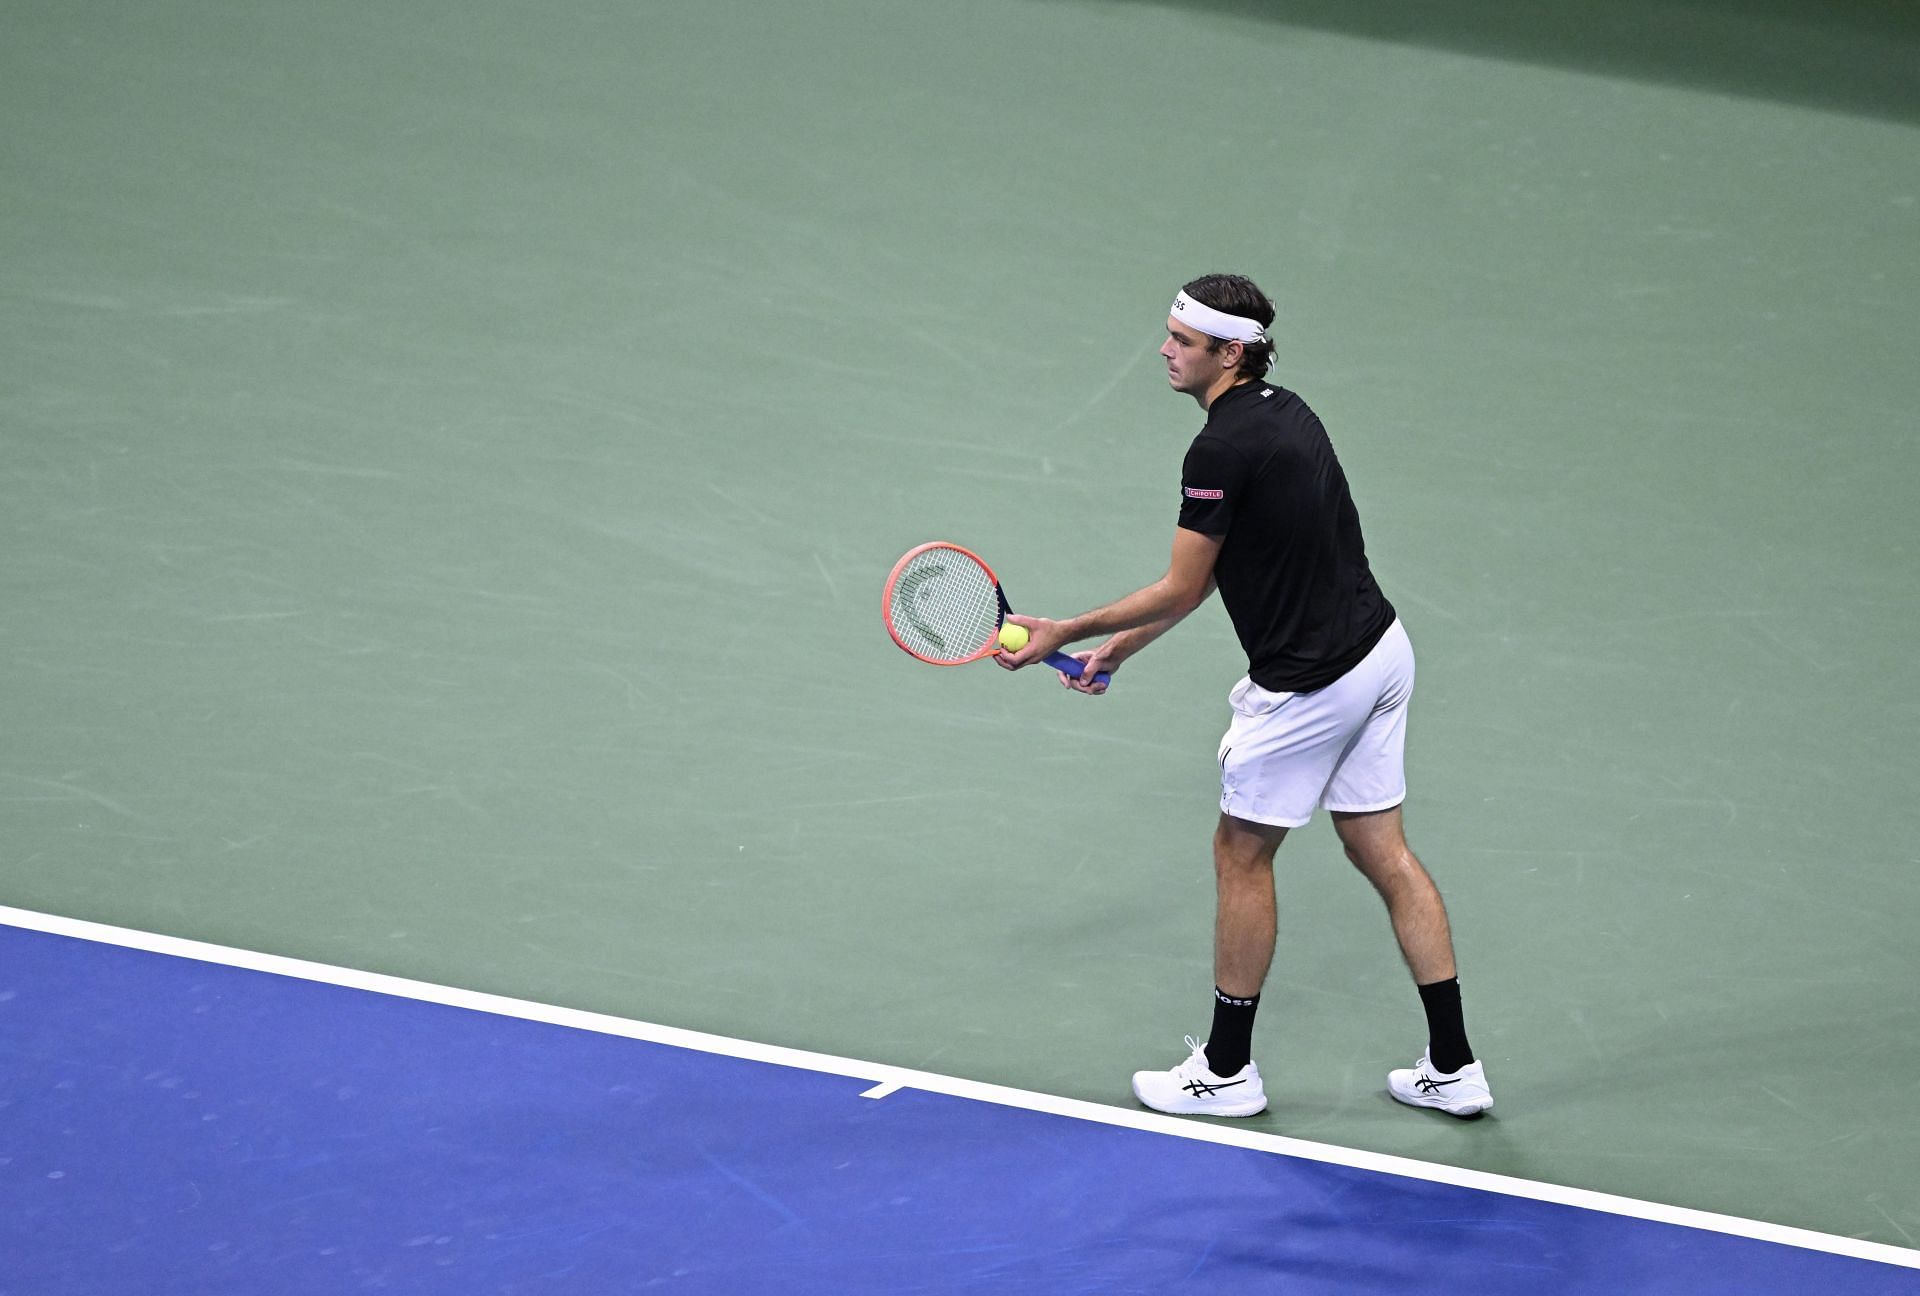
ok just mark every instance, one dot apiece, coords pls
pixel 1320 719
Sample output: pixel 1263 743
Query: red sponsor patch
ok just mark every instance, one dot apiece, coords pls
pixel 1194 492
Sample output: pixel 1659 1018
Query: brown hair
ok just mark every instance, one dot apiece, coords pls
pixel 1238 295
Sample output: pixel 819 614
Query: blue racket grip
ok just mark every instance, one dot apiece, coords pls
pixel 1074 667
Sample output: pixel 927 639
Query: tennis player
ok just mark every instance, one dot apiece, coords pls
pixel 1319 721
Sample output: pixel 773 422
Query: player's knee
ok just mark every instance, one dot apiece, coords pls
pixel 1233 859
pixel 1238 852
pixel 1389 866
pixel 1367 854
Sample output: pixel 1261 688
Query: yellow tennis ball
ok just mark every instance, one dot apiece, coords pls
pixel 1013 637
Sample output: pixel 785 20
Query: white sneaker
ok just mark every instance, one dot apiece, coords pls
pixel 1457 1093
pixel 1191 1089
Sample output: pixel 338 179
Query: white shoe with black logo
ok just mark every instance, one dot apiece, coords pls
pixel 1191 1089
pixel 1457 1093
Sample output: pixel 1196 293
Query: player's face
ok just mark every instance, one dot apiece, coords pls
pixel 1191 368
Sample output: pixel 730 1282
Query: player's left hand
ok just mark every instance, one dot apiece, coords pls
pixel 1043 636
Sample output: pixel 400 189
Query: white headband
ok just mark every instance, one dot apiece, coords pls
pixel 1218 324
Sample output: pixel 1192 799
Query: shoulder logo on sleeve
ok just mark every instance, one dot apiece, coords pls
pixel 1194 492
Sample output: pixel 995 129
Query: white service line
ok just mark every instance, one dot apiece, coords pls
pixel 888 1079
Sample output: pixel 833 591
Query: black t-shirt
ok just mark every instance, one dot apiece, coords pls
pixel 1293 568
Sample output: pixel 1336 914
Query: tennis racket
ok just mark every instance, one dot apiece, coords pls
pixel 944 605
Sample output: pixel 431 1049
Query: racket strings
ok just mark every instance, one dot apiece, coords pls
pixel 944 607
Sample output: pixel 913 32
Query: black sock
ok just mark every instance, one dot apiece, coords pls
pixel 1447 1046
pixel 1230 1045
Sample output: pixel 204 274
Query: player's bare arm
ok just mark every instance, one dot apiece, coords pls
pixel 1128 642
pixel 1106 659
pixel 1188 581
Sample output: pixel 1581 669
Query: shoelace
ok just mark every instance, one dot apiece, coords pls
pixel 1196 1058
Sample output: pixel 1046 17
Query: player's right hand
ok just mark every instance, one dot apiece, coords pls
pixel 1095 660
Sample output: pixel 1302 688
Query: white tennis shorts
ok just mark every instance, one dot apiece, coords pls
pixel 1342 747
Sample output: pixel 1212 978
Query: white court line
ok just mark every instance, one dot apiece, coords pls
pixel 887 1079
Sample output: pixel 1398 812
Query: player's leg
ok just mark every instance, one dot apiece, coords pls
pixel 1244 917
pixel 1447 1076
pixel 1219 1077
pixel 1364 795
pixel 1275 760
pixel 1376 843
pixel 1243 934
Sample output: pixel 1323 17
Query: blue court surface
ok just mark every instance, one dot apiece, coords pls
pixel 186 1124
